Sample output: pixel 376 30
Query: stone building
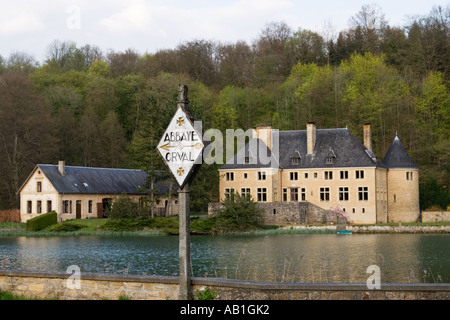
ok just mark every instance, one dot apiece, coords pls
pixel 325 168
pixel 83 192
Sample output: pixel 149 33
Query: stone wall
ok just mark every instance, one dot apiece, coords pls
pixel 435 216
pixel 281 213
pixel 44 285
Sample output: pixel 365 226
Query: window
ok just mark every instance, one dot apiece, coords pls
pixel 245 192
pixel 39 186
pixel 359 174
pixel 294 194
pixel 261 175
pixel 328 175
pixel 303 194
pixel 363 193
pixel 90 206
pixel 49 206
pixel 395 198
pixel 247 160
pixel 409 175
pixel 39 206
pixel 343 193
pixel 329 160
pixel 363 210
pixel 262 194
pixel 29 206
pixel 229 193
pixel 230 176
pixel 344 175
pixel 284 194
pixel 315 175
pixel 294 175
pixel 67 206
pixel 245 175
pixel 306 175
pixel 295 161
pixel 324 194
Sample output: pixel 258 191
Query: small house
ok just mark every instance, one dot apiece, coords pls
pixel 84 192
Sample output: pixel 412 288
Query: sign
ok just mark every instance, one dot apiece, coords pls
pixel 181 146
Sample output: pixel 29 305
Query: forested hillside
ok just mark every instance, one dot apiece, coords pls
pixel 109 109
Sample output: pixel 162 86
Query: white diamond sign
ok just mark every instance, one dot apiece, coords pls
pixel 181 146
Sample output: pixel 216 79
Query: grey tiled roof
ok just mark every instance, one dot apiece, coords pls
pixel 397 157
pixel 346 151
pixel 85 180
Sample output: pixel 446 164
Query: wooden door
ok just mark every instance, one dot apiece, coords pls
pixel 78 209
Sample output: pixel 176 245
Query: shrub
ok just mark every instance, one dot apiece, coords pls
pixel 123 207
pixel 66 227
pixel 206 294
pixel 240 214
pixel 42 221
pixel 10 216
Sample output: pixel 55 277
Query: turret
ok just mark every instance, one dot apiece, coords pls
pixel 402 184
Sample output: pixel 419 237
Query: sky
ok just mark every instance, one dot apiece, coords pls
pixel 151 25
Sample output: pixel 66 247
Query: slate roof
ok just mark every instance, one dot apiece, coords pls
pixel 86 180
pixel 346 149
pixel 397 157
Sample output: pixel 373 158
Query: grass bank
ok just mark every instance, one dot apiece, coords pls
pixel 165 226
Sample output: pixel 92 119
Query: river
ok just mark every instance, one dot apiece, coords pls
pixel 332 258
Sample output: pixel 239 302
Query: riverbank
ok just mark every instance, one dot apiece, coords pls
pixel 398 228
pixel 88 227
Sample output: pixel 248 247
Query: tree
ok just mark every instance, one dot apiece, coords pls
pixel 433 110
pixel 240 214
pixel 374 93
pixel 272 63
pixel 26 134
pixel 371 22
pixel 306 46
pixel 21 62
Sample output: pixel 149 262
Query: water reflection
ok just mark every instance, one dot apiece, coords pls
pixel 333 258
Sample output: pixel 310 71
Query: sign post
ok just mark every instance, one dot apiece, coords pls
pixel 181 148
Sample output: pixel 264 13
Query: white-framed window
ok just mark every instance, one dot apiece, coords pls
pixel 230 176
pixel 262 194
pixel 344 175
pixel 229 193
pixel 285 195
pixel 261 175
pixel 325 194
pixel 363 193
pixel 359 174
pixel 67 206
pixel 245 192
pixel 343 193
pixel 294 195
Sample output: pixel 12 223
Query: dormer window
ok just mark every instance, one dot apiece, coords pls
pixel 330 157
pixel 247 160
pixel 296 158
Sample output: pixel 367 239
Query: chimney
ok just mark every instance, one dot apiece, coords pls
pixel 62 167
pixel 368 136
pixel 264 132
pixel 310 137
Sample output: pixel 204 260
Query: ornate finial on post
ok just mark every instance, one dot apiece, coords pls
pixel 182 94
